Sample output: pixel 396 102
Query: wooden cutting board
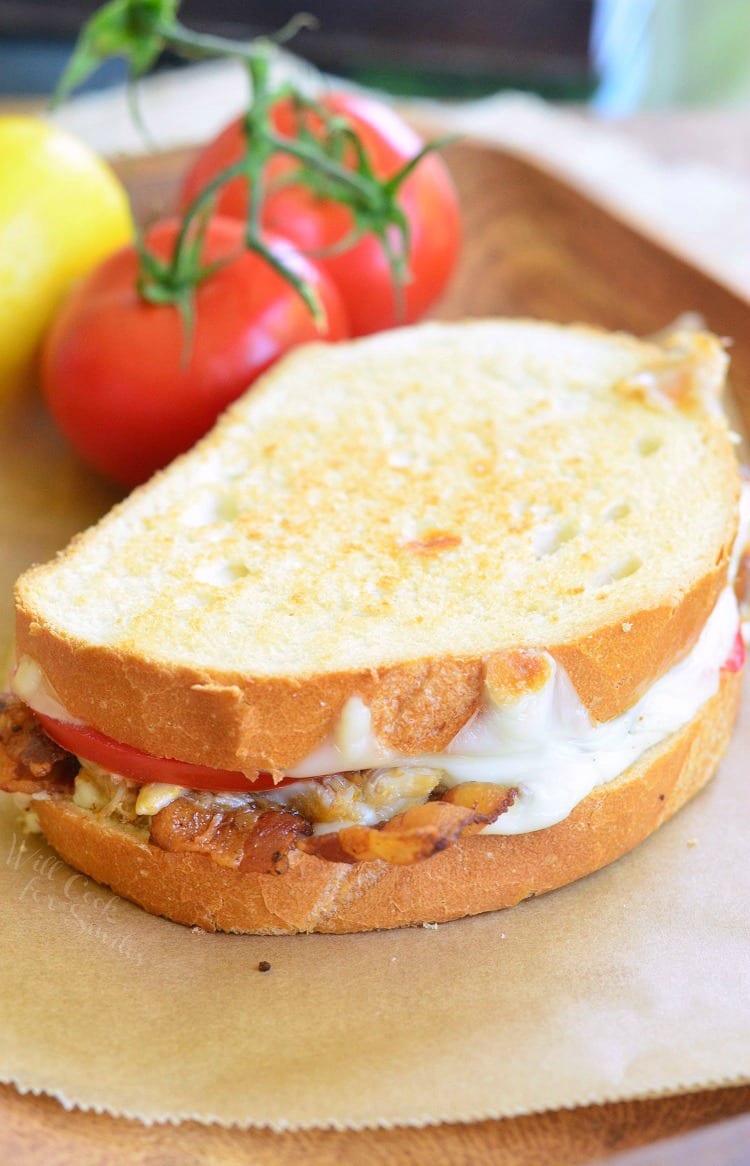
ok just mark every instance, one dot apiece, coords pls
pixel 533 247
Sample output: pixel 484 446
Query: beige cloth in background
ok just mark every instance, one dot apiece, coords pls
pixel 698 209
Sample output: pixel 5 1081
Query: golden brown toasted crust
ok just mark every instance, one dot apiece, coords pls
pixel 612 668
pixel 480 873
pixel 269 723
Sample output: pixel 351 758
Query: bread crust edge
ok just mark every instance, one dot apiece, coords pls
pixel 236 722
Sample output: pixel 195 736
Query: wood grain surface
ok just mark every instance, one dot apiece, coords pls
pixel 533 247
pixel 37 1130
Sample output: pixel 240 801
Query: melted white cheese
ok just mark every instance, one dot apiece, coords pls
pixel 546 743
pixel 32 686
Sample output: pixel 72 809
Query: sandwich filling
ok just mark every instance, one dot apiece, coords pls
pixel 522 763
pixel 517 766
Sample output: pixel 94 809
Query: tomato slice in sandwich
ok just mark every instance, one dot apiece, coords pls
pixel 129 762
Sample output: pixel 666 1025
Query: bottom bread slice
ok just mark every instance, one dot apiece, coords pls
pixel 478 873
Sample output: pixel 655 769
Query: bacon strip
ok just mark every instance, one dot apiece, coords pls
pixel 419 832
pixel 247 840
pixel 30 763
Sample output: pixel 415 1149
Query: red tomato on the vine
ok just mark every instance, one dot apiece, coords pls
pixel 317 224
pixel 126 385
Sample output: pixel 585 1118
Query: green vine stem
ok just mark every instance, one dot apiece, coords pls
pixel 141 30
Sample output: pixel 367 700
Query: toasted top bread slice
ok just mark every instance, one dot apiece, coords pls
pixel 387 518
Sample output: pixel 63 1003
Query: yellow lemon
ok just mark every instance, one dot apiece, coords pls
pixel 62 210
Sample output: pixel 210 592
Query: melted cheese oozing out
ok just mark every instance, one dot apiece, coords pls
pixel 546 742
pixel 32 686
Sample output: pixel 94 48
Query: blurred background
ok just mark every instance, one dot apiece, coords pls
pixel 619 56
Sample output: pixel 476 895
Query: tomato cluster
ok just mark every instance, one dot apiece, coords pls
pixel 132 389
pixel 318 225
